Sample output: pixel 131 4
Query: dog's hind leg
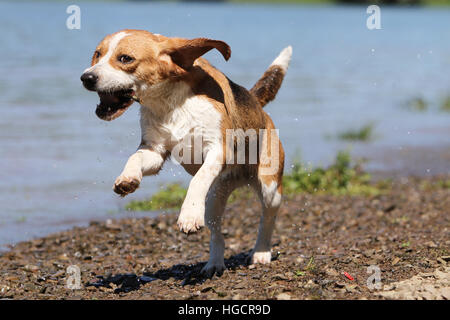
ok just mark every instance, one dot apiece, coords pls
pixel 270 196
pixel 215 207
pixel 269 189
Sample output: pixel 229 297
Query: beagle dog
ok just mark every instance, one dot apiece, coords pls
pixel 190 111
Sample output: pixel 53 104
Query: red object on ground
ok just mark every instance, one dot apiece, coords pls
pixel 348 276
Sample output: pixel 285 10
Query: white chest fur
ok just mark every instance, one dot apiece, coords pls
pixel 173 124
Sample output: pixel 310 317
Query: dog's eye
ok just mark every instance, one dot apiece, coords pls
pixel 97 54
pixel 125 59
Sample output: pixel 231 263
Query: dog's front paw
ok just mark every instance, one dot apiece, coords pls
pixel 263 257
pixel 192 219
pixel 125 185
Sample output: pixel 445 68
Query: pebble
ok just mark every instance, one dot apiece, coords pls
pixel 430 244
pixel 283 296
pixel 279 276
pixel 310 284
pixel 241 285
pixel 445 293
pixel 31 268
pixel 332 272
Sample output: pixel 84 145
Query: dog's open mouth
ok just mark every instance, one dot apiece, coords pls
pixel 114 104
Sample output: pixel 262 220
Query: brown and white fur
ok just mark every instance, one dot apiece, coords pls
pixel 180 92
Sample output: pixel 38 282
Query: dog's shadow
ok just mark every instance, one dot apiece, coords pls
pixel 188 274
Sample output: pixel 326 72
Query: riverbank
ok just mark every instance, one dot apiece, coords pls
pixel 323 246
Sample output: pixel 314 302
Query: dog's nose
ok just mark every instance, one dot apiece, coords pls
pixel 89 80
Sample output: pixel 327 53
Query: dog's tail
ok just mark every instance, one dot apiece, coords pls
pixel 268 85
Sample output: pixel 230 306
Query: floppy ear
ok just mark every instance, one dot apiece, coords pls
pixel 188 51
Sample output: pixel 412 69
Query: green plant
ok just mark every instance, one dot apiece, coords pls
pixel 445 106
pixel 443 184
pixel 244 193
pixel 311 264
pixel 435 185
pixel 299 273
pixel 170 197
pixel 417 104
pixel 406 244
pixel 340 178
pixel 21 219
pixel 365 133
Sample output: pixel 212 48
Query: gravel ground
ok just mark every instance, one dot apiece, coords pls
pixel 425 286
pixel 323 246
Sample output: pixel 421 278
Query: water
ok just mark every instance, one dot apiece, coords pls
pixel 59 160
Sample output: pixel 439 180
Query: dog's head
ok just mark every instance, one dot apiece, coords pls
pixel 129 62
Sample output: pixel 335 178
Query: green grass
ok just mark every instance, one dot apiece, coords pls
pixel 435 185
pixel 417 104
pixel 443 184
pixel 170 197
pixel 21 219
pixel 244 193
pixel 299 273
pixel 310 268
pixel 311 264
pixel 341 178
pixel 436 2
pixel 445 106
pixel 365 133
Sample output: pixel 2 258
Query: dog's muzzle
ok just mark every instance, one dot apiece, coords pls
pixel 89 80
pixel 113 102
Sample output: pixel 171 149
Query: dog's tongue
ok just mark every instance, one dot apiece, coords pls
pixel 108 99
pixel 112 105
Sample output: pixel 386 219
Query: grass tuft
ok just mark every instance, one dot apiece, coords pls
pixel 364 133
pixel 435 185
pixel 417 104
pixel 170 197
pixel 340 178
pixel 445 106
